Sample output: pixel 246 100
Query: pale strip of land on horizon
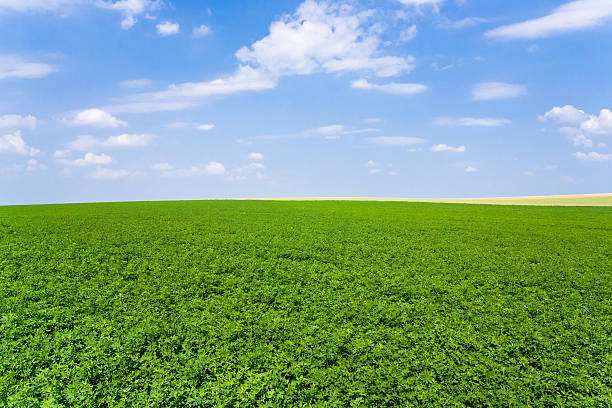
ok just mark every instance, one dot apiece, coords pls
pixel 581 200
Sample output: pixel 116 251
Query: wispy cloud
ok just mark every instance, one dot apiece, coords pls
pixel 497 90
pixel 14 66
pixel 471 122
pixel 397 140
pixel 392 87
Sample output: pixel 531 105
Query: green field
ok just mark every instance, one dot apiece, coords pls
pixel 299 304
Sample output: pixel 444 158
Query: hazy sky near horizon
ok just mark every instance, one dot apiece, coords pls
pixel 104 100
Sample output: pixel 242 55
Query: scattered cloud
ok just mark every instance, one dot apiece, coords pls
pixel 599 124
pixel 206 127
pixel 392 87
pixel 565 114
pixel 372 120
pixel 463 23
pixel 446 148
pixel 14 143
pixel 137 83
pixel 408 34
pixel 83 142
pixel 576 136
pixel 470 169
pixel 375 171
pixel 528 173
pixel 18 122
pixel 572 16
pixel 128 140
pixel 396 140
pixel 323 37
pixel 102 173
pixel 371 163
pixel 62 154
pixel 33 165
pixel 419 4
pixel 256 156
pixel 96 118
pixel 129 9
pixel 497 90
pixel 201 31
pixel 471 122
pixel 13 66
pixel 167 28
pixel 593 156
pixel 209 169
pixel 162 167
pixel 91 159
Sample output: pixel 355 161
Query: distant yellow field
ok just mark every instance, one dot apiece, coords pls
pixel 584 200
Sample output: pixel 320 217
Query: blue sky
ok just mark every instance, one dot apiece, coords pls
pixel 104 100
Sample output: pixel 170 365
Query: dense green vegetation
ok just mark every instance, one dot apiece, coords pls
pixel 286 304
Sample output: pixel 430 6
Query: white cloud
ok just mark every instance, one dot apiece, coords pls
pixel 91 159
pixel 33 165
pixel 421 3
pixel 18 122
pixel 372 120
pixel 256 156
pixel 213 169
pixel 102 173
pixel 96 118
pixel 593 156
pixel 201 31
pixel 331 130
pixel 62 154
pixel 323 37
pixel 446 148
pixel 528 173
pixel 137 83
pixel 397 140
pixel 572 16
pixel 470 169
pixel 392 88
pixel 27 6
pixel 83 142
pixel 167 28
pixel 162 167
pixel 12 66
pixel 129 9
pixel 408 34
pixel 371 163
pixel 497 90
pixel 206 127
pixel 463 23
pixel 128 140
pixel 375 171
pixel 601 124
pixel 576 136
pixel 13 143
pixel 471 122
pixel 258 165
pixel 565 114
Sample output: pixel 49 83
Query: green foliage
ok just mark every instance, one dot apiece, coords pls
pixel 296 304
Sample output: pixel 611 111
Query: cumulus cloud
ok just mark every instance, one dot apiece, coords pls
pixel 162 167
pixel 419 4
pixel 470 169
pixel 593 156
pixel 572 16
pixel 446 148
pixel 392 87
pixel 128 140
pixel 565 114
pixel 33 165
pixel 62 154
pixel 91 159
pixel 201 31
pixel 599 124
pixel 471 122
pixel 18 122
pixel 396 140
pixel 576 136
pixel 14 143
pixel 167 28
pixel 256 156
pixel 129 9
pixel 323 37
pixel 497 90
pixel 96 118
pixel 13 66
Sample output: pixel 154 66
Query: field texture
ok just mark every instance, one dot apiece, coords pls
pixel 296 304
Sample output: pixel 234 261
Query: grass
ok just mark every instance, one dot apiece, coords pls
pixel 295 304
